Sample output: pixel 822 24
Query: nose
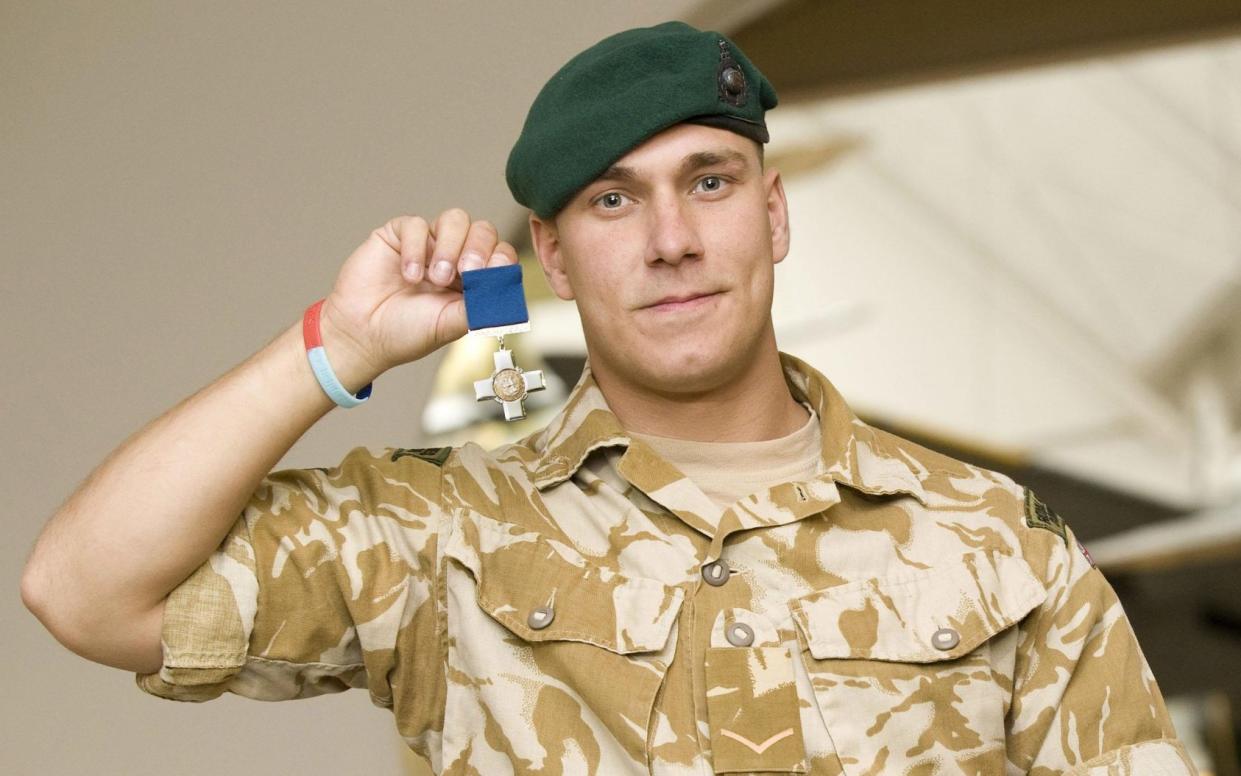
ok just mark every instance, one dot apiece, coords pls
pixel 674 235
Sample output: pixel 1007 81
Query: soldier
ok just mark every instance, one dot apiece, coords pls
pixel 704 564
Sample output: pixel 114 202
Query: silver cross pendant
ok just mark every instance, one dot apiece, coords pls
pixel 509 385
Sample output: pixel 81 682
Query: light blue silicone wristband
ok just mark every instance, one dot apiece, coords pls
pixel 331 386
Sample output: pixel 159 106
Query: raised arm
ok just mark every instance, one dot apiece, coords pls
pixel 160 503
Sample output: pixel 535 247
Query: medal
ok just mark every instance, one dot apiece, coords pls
pixel 495 305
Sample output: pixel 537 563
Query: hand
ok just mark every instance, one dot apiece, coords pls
pixel 398 296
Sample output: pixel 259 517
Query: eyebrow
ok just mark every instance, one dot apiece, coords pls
pixel 695 161
pixel 702 159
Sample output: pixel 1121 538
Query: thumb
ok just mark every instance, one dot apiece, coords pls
pixel 451 324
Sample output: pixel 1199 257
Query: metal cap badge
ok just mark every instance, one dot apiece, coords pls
pixel 731 78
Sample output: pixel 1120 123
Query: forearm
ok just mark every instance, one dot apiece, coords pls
pixel 157 507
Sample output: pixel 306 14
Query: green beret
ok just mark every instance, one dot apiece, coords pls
pixel 614 95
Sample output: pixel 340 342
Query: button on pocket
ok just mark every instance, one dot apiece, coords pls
pixel 540 618
pixel 945 639
pixel 739 634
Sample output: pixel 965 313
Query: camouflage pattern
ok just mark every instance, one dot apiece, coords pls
pixel 540 609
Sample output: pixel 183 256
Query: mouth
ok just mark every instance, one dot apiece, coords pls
pixel 679 302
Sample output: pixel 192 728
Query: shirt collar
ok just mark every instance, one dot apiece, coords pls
pixel 854 453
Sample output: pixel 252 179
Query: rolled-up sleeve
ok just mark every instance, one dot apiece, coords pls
pixel 324 583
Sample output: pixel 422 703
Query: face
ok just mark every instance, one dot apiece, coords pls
pixel 670 256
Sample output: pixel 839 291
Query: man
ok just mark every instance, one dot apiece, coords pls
pixel 705 564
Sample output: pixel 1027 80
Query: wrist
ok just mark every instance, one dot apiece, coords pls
pixel 351 363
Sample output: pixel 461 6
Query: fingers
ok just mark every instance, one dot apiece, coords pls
pixel 449 232
pixel 440 250
pixel 460 245
pixel 411 233
pixel 480 243
pixel 502 254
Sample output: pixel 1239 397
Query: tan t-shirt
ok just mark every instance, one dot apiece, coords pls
pixel 728 471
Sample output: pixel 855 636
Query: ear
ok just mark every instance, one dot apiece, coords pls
pixel 545 238
pixel 777 214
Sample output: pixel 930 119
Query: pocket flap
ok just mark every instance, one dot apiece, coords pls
pixel 517 571
pixel 895 618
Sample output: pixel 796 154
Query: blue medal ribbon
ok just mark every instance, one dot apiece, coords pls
pixel 495 305
pixel 495 302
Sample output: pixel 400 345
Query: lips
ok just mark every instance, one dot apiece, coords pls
pixel 685 301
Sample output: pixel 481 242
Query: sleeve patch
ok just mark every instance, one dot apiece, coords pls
pixel 432 455
pixel 1039 515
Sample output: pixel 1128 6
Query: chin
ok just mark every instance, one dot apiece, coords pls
pixel 677 369
pixel 684 360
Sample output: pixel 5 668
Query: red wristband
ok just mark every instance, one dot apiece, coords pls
pixel 310 326
pixel 315 351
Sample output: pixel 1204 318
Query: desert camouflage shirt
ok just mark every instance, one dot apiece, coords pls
pixel 565 605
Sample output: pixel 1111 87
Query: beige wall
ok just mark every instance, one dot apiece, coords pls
pixel 177 182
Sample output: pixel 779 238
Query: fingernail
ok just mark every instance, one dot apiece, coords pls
pixel 410 270
pixel 471 261
pixel 498 258
pixel 443 271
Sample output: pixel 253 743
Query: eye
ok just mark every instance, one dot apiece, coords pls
pixel 711 183
pixel 611 200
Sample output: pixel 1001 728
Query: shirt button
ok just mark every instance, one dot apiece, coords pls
pixel 945 639
pixel 540 618
pixel 716 573
pixel 739 634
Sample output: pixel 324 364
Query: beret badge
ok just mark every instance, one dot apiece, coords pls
pixel 730 78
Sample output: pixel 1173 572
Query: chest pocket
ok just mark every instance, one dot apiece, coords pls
pixel 913 672
pixel 551 657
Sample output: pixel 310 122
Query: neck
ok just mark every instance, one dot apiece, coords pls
pixel 754 405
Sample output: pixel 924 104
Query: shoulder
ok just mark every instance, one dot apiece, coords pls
pixel 421 480
pixel 405 482
pixel 497 482
pixel 982 506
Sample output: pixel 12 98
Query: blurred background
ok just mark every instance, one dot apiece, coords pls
pixel 1016 238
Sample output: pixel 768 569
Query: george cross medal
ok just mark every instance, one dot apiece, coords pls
pixel 495 305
